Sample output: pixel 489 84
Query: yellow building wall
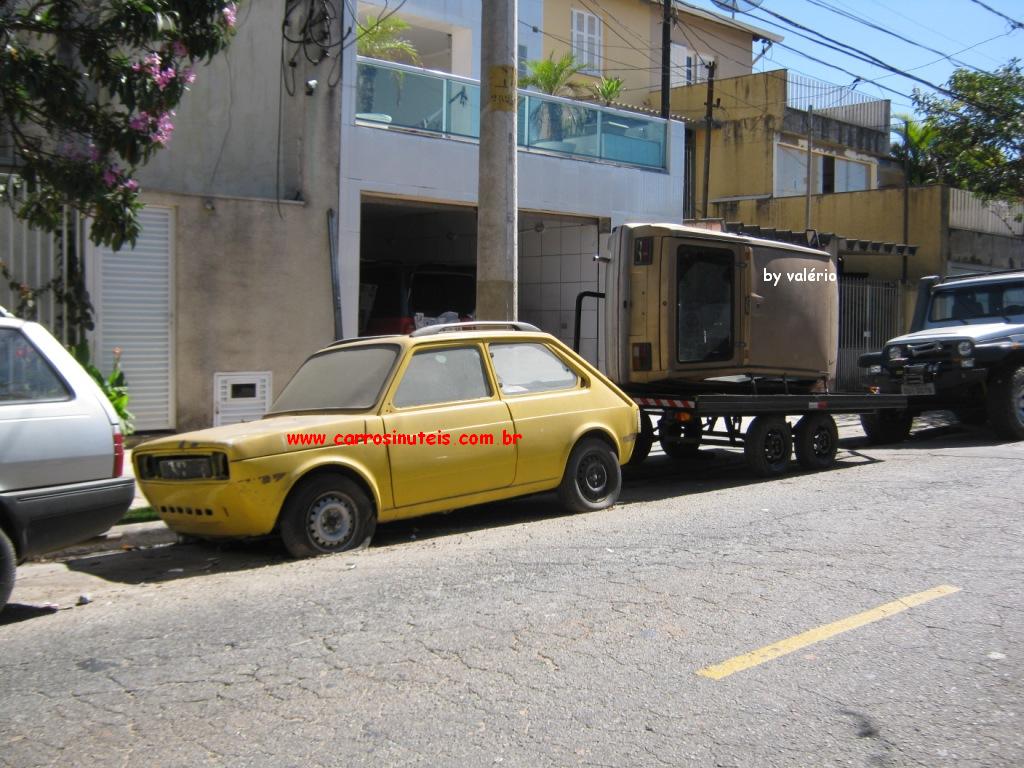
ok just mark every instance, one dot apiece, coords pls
pixel 749 117
pixel 631 40
pixel 875 215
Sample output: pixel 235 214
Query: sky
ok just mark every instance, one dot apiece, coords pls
pixel 962 29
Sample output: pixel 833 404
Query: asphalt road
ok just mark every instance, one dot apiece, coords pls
pixel 515 635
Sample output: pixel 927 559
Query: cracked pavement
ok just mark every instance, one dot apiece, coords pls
pixel 516 635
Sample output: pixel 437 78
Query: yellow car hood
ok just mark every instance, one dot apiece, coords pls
pixel 266 437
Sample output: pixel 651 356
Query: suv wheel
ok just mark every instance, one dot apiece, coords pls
pixel 1006 403
pixel 883 427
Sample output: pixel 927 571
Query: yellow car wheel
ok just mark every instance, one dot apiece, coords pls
pixel 326 514
pixel 593 477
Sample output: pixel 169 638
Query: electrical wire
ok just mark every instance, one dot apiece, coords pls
pixel 872 25
pixel 1014 24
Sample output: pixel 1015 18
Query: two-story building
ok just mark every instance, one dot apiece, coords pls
pixel 308 191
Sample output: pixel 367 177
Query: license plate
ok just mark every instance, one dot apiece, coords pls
pixel 918 389
pixel 185 468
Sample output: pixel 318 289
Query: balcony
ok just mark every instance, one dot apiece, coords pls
pixel 391 95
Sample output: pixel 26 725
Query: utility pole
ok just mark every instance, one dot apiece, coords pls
pixel 906 197
pixel 497 211
pixel 810 166
pixel 709 120
pixel 666 57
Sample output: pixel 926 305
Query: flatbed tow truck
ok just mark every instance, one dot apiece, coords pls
pixel 704 329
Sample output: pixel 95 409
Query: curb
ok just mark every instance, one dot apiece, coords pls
pixel 120 537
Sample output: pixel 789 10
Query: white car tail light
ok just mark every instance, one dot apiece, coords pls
pixel 118 452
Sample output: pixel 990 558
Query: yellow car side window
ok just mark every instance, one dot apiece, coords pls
pixel 443 376
pixel 530 367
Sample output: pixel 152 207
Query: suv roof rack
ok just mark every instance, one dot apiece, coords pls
pixel 475 325
pixel 975 275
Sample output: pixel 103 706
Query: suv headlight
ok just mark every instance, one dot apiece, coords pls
pixel 965 348
pixel 895 353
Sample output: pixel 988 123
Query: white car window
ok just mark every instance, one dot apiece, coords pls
pixel 25 375
pixel 530 367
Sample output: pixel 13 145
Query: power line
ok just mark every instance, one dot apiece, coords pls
pixel 872 25
pixel 846 49
pixel 1013 22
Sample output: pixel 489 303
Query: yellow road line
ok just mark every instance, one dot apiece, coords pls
pixel 816 635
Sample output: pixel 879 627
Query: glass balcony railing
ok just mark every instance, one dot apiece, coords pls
pixel 436 102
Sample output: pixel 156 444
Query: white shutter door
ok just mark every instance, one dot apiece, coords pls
pixel 132 294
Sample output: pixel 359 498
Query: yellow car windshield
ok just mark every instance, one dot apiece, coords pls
pixel 348 378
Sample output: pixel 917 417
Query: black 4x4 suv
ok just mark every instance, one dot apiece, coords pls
pixel 965 353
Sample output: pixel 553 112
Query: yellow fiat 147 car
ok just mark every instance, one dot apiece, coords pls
pixel 390 427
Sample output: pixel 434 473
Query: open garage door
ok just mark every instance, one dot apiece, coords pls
pixel 418 265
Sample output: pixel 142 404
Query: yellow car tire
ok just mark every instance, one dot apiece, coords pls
pixel 325 514
pixel 593 477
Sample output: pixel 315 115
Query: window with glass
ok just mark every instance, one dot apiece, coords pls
pixel 831 174
pixel 530 367
pixel 704 304
pixel 25 375
pixel 681 71
pixel 347 378
pixel 999 300
pixel 586 41
pixel 448 375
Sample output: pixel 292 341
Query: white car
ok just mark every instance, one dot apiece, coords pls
pixel 61 450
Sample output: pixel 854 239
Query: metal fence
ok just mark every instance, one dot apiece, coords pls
pixel 839 102
pixel 998 217
pixel 32 261
pixel 870 313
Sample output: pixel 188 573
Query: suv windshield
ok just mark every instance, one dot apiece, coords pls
pixel 339 379
pixel 992 300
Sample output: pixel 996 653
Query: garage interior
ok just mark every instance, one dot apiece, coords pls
pixel 420 256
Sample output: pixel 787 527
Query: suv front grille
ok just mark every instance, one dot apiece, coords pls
pixel 931 350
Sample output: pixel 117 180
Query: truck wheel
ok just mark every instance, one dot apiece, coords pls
pixel 326 514
pixel 644 441
pixel 816 440
pixel 767 446
pixel 593 477
pixel 671 431
pixel 1006 403
pixel 882 427
pixel 8 560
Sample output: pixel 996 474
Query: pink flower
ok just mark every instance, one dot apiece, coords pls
pixel 188 76
pixel 131 185
pixel 161 133
pixel 230 12
pixel 164 77
pixel 140 122
pixel 110 177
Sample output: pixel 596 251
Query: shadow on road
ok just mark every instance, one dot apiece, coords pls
pixel 658 478
pixel 12 613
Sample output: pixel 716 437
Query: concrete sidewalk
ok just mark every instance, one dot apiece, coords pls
pixel 131 536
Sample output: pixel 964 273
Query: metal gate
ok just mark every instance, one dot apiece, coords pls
pixel 870 313
pixel 34 264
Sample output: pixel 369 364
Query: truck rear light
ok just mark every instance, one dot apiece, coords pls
pixel 642 356
pixel 118 452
